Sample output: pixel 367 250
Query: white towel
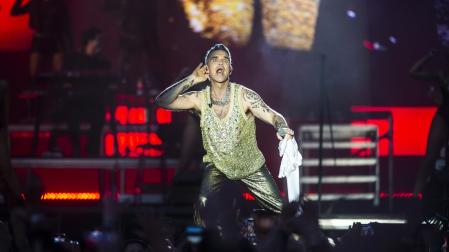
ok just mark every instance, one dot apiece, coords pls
pixel 291 161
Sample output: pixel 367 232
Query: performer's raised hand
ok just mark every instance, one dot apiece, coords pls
pixel 200 74
pixel 175 96
pixel 286 133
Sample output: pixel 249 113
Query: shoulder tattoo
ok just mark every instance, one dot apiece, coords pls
pixel 254 100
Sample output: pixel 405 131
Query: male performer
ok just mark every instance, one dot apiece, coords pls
pixel 227 112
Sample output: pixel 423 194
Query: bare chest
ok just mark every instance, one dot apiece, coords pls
pixel 221 111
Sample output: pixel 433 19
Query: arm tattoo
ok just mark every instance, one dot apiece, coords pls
pixel 279 122
pixel 255 101
pixel 171 93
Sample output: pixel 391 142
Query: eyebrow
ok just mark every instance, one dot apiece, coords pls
pixel 214 57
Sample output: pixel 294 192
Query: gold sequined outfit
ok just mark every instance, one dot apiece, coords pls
pixel 232 153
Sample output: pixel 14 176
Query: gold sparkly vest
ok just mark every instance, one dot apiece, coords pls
pixel 230 142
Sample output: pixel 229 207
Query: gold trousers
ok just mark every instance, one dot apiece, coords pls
pixel 261 184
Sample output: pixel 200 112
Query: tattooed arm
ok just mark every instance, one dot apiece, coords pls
pixel 253 103
pixel 174 97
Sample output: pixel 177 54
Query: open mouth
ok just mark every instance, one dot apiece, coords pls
pixel 220 70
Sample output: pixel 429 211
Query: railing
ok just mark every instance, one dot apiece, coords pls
pixel 350 157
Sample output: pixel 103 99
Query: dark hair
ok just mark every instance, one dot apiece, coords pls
pixel 90 34
pixel 217 47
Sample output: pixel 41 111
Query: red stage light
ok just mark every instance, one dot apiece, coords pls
pixel 382 195
pixel 361 152
pixel 48 196
pixel 54 196
pixel 163 116
pixel 15 35
pixel 400 195
pixel 107 116
pixel 121 114
pixel 137 115
pixel 382 125
pixel 129 142
pixel 410 128
pixel 368 44
pixel 248 196
pixel 154 139
pixel 109 145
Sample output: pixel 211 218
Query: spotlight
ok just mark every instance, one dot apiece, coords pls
pixel 368 44
pixel 379 47
pixel 392 39
pixel 351 14
pixel 331 242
